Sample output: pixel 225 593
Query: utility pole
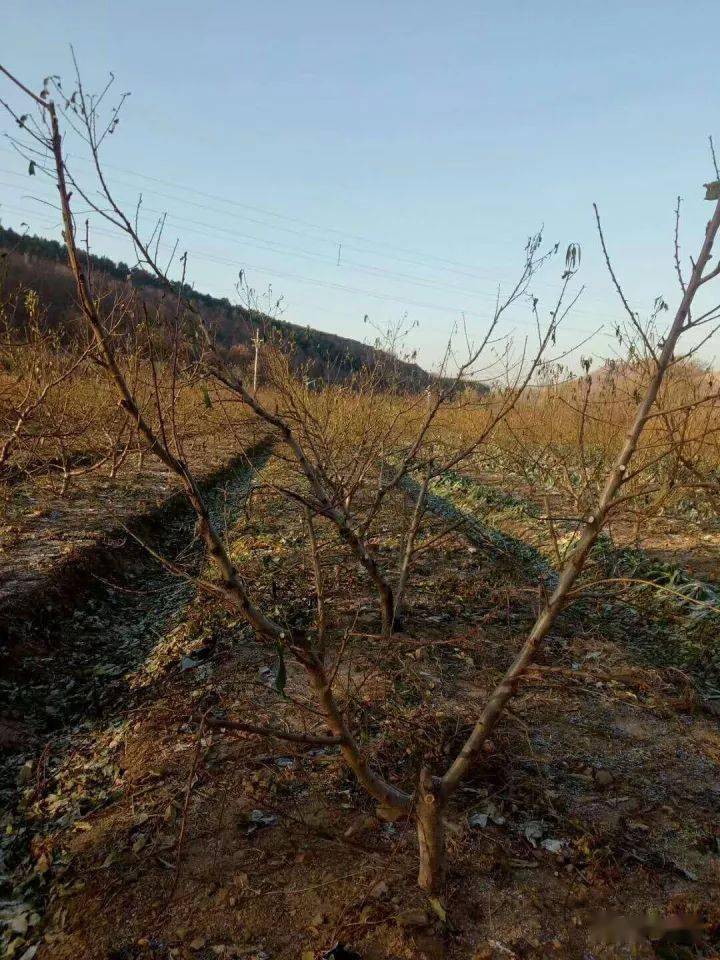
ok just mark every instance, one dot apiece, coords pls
pixel 256 341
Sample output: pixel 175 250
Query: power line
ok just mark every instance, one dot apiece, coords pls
pixel 273 247
pixel 273 272
pixel 446 330
pixel 424 260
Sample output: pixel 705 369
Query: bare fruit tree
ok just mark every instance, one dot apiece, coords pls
pixel 36 368
pixel 407 442
pixel 401 441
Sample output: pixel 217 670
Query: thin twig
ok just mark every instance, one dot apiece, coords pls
pixel 186 805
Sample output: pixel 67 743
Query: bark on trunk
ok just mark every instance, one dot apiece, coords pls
pixel 408 554
pixel 387 608
pixel 431 836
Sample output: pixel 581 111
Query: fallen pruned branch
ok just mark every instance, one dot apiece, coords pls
pixel 220 723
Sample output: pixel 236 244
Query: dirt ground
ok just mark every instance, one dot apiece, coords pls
pixel 590 829
pixel 692 542
pixel 47 537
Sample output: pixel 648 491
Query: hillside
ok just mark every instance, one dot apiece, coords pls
pixel 42 265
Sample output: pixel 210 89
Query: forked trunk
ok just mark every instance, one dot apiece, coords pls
pixel 431 835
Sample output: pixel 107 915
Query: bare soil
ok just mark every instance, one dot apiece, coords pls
pixel 690 542
pixel 590 829
pixel 52 545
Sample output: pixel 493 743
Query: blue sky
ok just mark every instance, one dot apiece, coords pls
pixel 429 140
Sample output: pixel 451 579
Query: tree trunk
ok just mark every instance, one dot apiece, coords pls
pixel 387 608
pixel 431 835
pixel 408 553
